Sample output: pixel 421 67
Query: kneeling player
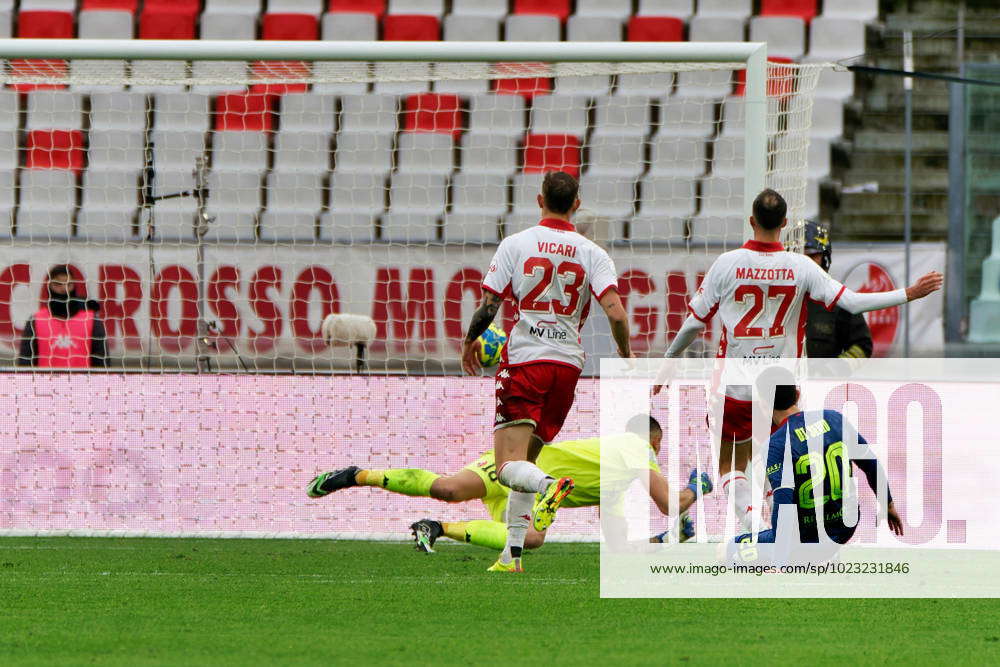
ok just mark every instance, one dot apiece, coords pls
pixel 790 443
pixel 579 459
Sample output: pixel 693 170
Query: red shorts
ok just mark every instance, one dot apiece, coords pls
pixel 540 394
pixel 737 420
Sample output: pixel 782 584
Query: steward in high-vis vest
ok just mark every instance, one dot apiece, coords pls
pixel 65 332
pixel 835 333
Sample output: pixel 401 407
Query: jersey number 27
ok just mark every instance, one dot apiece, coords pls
pixel 784 294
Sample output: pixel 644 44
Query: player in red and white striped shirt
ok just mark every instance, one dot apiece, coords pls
pixel 549 271
pixel 758 292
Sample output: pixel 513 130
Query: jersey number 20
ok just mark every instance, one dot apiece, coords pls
pixel 785 294
pixel 544 266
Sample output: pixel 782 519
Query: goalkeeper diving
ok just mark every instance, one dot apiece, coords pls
pixel 630 454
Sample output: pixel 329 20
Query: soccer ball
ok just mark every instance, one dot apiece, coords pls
pixel 491 345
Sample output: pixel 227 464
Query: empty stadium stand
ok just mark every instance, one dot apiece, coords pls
pixel 450 161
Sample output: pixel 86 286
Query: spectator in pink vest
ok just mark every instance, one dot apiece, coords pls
pixel 65 332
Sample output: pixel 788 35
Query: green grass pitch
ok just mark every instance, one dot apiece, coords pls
pixel 239 602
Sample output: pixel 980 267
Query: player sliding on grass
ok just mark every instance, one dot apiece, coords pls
pixel 549 272
pixel 758 291
pixel 631 456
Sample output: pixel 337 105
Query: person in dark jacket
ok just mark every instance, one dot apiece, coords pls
pixel 835 333
pixel 65 332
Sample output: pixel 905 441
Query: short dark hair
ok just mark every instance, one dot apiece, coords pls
pixel 641 424
pixel 785 396
pixel 559 190
pixel 782 382
pixel 60 270
pixel 769 209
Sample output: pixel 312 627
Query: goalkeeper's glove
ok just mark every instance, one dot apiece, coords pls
pixel 702 481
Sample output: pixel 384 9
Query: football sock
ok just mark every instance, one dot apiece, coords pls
pixel 408 481
pixel 737 486
pixel 492 534
pixel 519 506
pixel 523 476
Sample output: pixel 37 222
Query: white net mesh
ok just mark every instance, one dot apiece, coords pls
pixel 220 210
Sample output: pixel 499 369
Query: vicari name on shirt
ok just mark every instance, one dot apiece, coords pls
pixel 554 248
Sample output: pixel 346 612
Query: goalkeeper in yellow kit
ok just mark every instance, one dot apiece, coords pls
pixel 580 459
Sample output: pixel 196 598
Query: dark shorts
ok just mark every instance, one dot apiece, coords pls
pixel 539 394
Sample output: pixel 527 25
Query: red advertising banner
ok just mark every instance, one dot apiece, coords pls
pixel 269 301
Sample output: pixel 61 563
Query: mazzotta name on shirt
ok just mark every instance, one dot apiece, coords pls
pixel 758 273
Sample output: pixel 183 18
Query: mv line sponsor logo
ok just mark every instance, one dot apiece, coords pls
pixel 547 329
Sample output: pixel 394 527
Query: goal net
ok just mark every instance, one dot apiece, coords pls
pixel 218 210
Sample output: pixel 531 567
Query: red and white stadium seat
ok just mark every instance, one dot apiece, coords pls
pixel 608 195
pixel 247 7
pixel 621 115
pixel 609 9
pixel 862 10
pixel 785 35
pixel 479 201
pixel 364 152
pixel 375 7
pixel 559 114
pixel 680 8
pixel 803 9
pixel 738 9
pixel 417 201
pixel 716 29
pixel 496 9
pixel 616 155
pixel 294 201
pixel 427 7
pixel 109 205
pixel 836 38
pixel 557 8
pixel 490 153
pixel 401 136
pixel 313 7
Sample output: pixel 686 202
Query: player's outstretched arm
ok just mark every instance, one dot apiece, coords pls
pixel 659 492
pixel 926 284
pixel 618 319
pixel 481 320
pixel 858 302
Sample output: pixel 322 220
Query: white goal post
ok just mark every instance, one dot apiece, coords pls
pixel 667 143
pixel 690 136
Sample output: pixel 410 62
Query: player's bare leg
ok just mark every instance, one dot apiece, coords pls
pixel 734 459
pixel 485 533
pixel 460 487
pixel 516 447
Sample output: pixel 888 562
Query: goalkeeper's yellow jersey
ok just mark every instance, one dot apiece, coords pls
pixel 581 459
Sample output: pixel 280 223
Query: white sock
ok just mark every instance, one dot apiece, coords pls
pixel 523 476
pixel 737 487
pixel 518 517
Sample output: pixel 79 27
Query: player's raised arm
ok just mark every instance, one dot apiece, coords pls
pixel 831 293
